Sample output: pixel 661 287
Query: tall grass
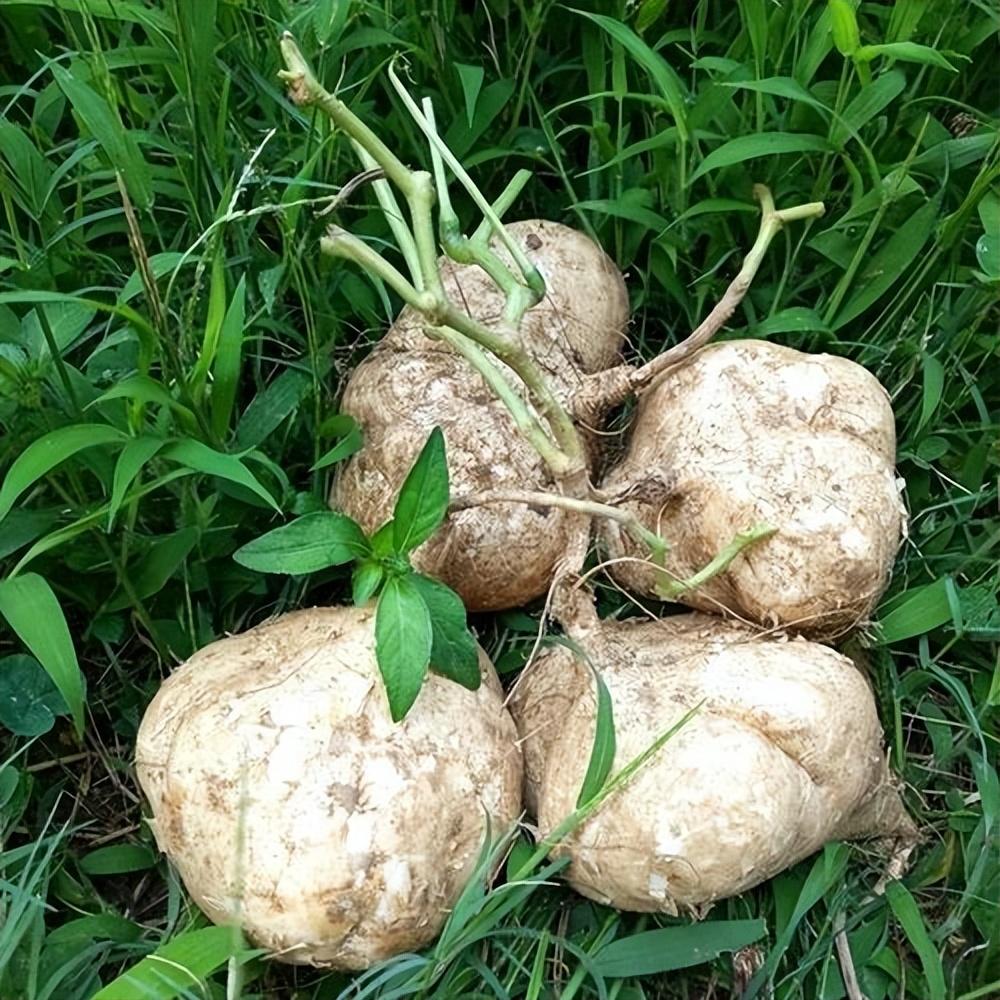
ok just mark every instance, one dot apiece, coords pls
pixel 172 347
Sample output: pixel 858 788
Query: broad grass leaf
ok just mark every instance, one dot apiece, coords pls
pixel 269 408
pixel 906 911
pixel 199 457
pixel 908 52
pixel 130 463
pixel 890 263
pixel 750 147
pixel 226 366
pixel 672 948
pixel 350 442
pixel 659 70
pixel 423 498
pixel 602 752
pixel 118 859
pixel 156 567
pixel 844 26
pixel 915 612
pixel 32 611
pixel 46 452
pixel 454 653
pixel 305 545
pixel 933 387
pixel 403 638
pixel 870 101
pixel 176 968
pixel 105 126
pixel 471 78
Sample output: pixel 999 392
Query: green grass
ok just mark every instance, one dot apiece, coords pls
pixel 205 381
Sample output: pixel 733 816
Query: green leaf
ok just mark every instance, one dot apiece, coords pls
pixel 915 612
pixel 844 27
pixel 47 452
pixel 781 86
pixel 98 927
pixel 795 319
pixel 423 497
pixel 872 99
pixel 269 408
pixel 602 751
pixel 906 911
pixel 143 389
pixel 908 52
pixel 672 948
pixel 118 859
pixel 32 611
pixel 660 72
pixel 306 545
pixel 649 12
pixel 156 567
pixel 365 580
pixel 403 637
pixel 749 147
pixel 130 463
pixel 105 126
pixel 891 262
pixel 226 370
pixel 199 457
pixel 177 967
pixel 471 78
pixel 350 443
pixel 29 700
pixel 454 652
pixel 932 389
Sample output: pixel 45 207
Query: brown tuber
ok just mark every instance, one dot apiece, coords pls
pixel 753 432
pixel 291 804
pixel 496 555
pixel 783 754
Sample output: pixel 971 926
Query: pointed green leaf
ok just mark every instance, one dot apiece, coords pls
pixel 602 751
pixel 365 580
pixel 403 639
pixel 471 78
pixel 344 448
pixel 908 52
pixel 226 370
pixel 305 545
pixel 454 652
pixel 130 463
pixel 177 968
pixel 750 147
pixel 844 27
pixel 47 452
pixel 199 457
pixel 32 611
pixel 423 497
pixel 671 948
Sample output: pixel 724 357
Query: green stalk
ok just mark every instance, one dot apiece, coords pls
pixel 672 589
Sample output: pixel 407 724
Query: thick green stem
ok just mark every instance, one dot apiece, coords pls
pixel 527 423
pixel 671 589
pixel 531 275
pixel 506 198
pixel 394 216
pixel 306 90
pixel 421 201
pixel 340 243
pixel 530 374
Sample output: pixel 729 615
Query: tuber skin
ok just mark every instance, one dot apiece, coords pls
pixel 783 754
pixel 497 555
pixel 290 803
pixel 755 432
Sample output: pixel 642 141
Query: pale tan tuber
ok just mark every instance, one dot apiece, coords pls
pixel 498 555
pixel 783 754
pixel 291 804
pixel 753 432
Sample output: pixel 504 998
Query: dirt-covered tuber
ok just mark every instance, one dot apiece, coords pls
pixel 750 432
pixel 497 555
pixel 291 804
pixel 783 754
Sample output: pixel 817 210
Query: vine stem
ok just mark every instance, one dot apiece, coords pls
pixel 424 291
pixel 613 386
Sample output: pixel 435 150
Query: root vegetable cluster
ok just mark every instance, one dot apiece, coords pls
pixel 757 485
